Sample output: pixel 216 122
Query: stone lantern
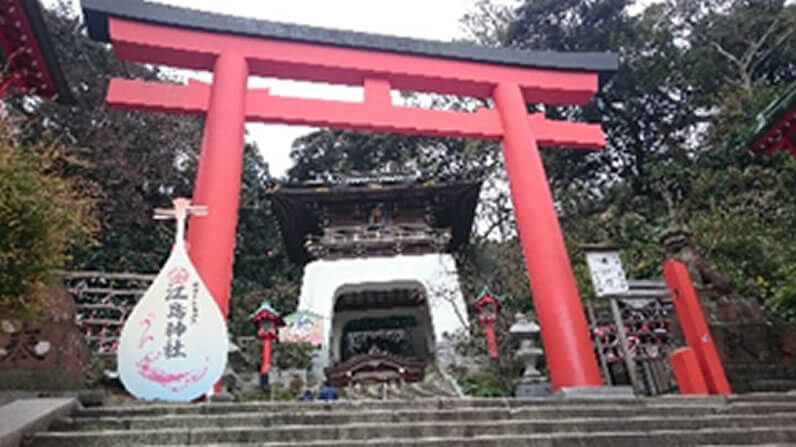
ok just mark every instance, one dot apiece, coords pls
pixel 268 323
pixel 487 307
pixel 533 383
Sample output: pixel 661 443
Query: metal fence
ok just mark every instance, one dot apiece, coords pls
pixel 633 337
pixel 104 301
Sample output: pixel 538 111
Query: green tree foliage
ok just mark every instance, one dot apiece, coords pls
pixel 294 355
pixel 334 151
pixel 41 215
pixel 136 161
pixel 737 206
pixel 262 270
pixel 692 76
pixel 129 163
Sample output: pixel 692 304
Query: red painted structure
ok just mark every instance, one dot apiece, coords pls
pixel 27 58
pixel 487 307
pixel 164 35
pixel 687 371
pixel 775 130
pixel 268 323
pixel 780 138
pixel 694 327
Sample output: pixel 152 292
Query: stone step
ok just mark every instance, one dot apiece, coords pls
pixel 421 391
pixel 432 386
pixel 405 416
pixel 763 397
pixel 440 388
pixel 144 409
pixel 413 430
pixel 779 444
pixel 767 436
pixel 774 385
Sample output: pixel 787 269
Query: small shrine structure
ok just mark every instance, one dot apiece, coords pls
pixel 775 130
pixel 27 57
pixel 378 268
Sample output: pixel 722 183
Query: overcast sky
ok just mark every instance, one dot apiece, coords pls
pixel 426 19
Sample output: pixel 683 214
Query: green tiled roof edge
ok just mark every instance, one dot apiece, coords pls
pixel 767 118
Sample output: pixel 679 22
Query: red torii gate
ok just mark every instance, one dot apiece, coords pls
pixel 233 49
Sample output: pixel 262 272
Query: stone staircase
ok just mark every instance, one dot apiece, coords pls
pixel 434 385
pixel 765 378
pixel 756 419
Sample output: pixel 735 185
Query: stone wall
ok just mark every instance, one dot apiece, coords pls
pixel 758 354
pixel 45 353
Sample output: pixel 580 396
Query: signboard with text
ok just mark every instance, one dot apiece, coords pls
pixel 174 344
pixel 607 273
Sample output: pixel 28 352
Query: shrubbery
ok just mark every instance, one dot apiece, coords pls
pixel 293 355
pixel 41 216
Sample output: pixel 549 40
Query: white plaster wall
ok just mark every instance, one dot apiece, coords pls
pixel 325 280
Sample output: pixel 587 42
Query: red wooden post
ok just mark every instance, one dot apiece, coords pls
pixel 686 369
pixel 212 238
pixel 695 329
pixel 491 343
pixel 565 334
pixel 265 366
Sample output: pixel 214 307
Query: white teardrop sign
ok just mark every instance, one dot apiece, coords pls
pixel 174 344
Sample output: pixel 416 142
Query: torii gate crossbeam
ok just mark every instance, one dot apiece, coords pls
pixel 234 49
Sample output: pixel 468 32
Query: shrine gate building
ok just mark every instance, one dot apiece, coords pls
pixel 378 264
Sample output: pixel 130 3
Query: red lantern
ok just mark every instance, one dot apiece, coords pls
pixel 487 307
pixel 268 323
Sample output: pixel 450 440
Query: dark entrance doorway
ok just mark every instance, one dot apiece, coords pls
pixel 397 335
pixel 381 333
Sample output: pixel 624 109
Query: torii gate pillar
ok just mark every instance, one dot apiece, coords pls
pixel 555 292
pixel 212 238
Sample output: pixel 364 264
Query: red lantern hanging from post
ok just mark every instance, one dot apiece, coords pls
pixel 268 323
pixel 487 307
